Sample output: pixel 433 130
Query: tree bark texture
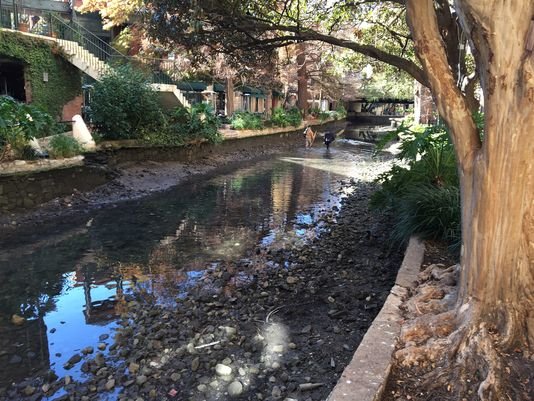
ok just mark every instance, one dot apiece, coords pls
pixel 302 78
pixel 496 175
pixel 230 97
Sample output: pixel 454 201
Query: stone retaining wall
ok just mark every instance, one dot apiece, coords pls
pixel 25 191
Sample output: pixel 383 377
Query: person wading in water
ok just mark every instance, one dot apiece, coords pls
pixel 329 137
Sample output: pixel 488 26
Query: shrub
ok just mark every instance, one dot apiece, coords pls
pixel 124 106
pixel 19 122
pixel 431 212
pixel 294 117
pixel 279 117
pixel 63 146
pixel 285 118
pixel 423 193
pixel 188 125
pixel 341 112
pixel 245 120
pixel 323 116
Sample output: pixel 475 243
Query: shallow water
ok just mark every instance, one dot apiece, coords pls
pixel 72 284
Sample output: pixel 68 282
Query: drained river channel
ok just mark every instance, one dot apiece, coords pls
pixel 255 283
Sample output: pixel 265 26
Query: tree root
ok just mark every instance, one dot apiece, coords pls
pixel 450 353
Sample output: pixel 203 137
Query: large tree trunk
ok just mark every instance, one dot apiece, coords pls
pixel 496 175
pixel 302 78
pixel 499 229
pixel 229 97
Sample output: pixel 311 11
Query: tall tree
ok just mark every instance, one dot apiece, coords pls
pixel 494 312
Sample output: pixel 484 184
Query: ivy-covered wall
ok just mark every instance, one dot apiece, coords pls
pixel 39 57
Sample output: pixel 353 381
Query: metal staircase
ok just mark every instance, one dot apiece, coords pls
pixel 94 57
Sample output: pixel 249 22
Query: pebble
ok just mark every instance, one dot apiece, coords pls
pixel 15 360
pixel 195 364
pixel 175 376
pixel 223 370
pixel 100 359
pixel 110 384
pixel 276 393
pixel 133 367
pixel 140 380
pixel 278 348
pixel 29 390
pixel 88 350
pixel 292 280
pixel 235 388
pixel 101 346
pixel 73 360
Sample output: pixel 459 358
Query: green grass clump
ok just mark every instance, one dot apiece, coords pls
pixel 63 146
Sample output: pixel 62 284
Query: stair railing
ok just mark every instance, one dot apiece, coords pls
pixel 74 32
pixel 160 71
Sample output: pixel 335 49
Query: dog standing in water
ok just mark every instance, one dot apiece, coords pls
pixel 310 135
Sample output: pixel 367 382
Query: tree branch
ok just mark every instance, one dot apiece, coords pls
pixel 367 50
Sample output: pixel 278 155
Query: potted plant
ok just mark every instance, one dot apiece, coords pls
pixel 24 23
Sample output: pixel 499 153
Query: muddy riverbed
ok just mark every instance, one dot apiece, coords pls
pixel 253 284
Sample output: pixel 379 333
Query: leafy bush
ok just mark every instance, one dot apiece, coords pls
pixel 124 106
pixel 279 117
pixel 431 212
pixel 294 117
pixel 184 126
pixel 424 191
pixel 245 120
pixel 19 123
pixel 62 146
pixel 323 116
pixel 341 112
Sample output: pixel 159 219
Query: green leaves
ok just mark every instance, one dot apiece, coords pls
pixel 285 118
pixel 245 120
pixel 20 122
pixel 185 126
pixel 62 146
pixel 423 190
pixel 124 106
pixel 37 56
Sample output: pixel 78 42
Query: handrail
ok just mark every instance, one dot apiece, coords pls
pixel 91 35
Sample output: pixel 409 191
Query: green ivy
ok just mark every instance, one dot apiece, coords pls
pixel 40 56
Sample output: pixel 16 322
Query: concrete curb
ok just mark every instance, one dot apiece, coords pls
pixel 240 134
pixel 38 166
pixel 366 375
